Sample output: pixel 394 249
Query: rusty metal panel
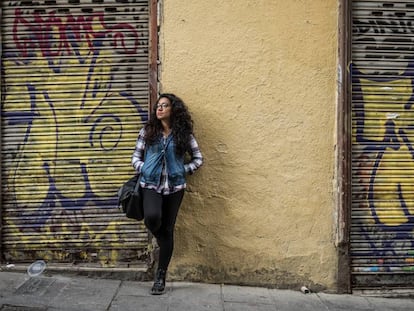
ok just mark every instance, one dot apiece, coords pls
pixel 75 94
pixel 343 149
pixel 382 229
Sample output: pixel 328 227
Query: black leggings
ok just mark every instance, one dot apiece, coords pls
pixel 160 213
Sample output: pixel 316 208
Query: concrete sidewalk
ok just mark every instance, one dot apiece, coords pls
pixel 18 291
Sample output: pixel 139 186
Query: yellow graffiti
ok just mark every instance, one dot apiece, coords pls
pixel 391 175
pixel 394 175
pixel 79 136
pixel 383 101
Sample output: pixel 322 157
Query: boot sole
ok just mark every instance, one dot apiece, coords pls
pixel 157 292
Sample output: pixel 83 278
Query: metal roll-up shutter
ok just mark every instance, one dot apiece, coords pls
pixel 74 95
pixel 382 71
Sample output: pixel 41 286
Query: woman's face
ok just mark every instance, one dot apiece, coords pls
pixel 163 109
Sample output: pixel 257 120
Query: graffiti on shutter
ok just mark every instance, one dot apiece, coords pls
pixel 75 94
pixel 382 71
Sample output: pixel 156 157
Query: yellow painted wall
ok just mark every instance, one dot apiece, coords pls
pixel 259 77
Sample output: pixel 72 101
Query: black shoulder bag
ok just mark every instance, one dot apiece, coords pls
pixel 130 199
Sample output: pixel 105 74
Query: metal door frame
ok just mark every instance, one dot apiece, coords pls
pixel 343 148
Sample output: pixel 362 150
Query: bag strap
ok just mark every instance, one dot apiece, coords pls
pixel 137 185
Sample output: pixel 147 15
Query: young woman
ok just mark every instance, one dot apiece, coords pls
pixel 159 157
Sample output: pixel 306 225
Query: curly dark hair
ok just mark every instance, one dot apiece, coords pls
pixel 181 124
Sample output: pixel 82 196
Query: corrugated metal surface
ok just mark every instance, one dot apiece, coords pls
pixel 75 94
pixel 382 229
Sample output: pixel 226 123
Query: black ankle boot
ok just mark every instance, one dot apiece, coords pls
pixel 159 283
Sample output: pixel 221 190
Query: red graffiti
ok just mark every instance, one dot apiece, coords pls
pixel 57 36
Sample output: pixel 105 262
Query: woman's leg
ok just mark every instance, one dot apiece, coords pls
pixel 152 202
pixel 160 214
pixel 165 234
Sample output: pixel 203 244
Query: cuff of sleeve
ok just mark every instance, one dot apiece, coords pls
pixel 140 168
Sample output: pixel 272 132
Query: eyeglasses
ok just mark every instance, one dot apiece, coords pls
pixel 163 106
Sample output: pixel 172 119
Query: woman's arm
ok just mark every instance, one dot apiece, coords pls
pixel 138 155
pixel 196 157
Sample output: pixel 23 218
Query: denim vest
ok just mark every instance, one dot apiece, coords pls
pixel 158 153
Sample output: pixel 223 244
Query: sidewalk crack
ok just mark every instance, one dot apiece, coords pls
pixel 114 295
pixel 222 297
